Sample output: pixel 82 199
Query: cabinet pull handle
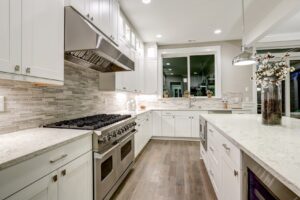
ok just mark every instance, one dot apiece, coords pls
pixel 211 173
pixel 57 159
pixel 88 15
pixel 226 147
pixel 17 68
pixel 64 172
pixel 28 70
pixel 92 18
pixel 54 178
pixel 236 173
pixel 211 149
pixel 210 130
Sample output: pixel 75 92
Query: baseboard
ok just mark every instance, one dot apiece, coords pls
pixel 175 138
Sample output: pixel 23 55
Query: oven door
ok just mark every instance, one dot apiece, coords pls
pixel 126 153
pixel 105 172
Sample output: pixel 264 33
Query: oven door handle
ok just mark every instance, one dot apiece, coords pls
pixel 99 156
pixel 129 136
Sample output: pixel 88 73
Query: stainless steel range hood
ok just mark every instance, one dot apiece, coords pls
pixel 87 46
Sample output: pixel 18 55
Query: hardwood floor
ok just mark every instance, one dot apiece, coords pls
pixel 167 170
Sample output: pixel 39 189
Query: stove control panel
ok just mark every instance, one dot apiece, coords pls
pixel 116 133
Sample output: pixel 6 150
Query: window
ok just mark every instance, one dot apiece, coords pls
pixel 175 75
pixel 202 74
pixel 191 74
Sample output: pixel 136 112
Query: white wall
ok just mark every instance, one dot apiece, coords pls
pixel 234 79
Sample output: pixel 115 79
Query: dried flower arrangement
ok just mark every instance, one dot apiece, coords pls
pixel 269 69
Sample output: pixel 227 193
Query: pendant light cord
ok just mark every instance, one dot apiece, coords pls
pixel 243 24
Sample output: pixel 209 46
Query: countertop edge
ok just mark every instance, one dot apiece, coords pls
pixel 277 175
pixel 26 157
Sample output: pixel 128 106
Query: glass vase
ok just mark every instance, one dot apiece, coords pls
pixel 271 103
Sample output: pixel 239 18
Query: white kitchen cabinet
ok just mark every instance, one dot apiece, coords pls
pixel 93 8
pixel 150 77
pixel 156 123
pixel 230 181
pixel 10 36
pixel 81 6
pixel 44 189
pixel 223 163
pixel 114 20
pixel 104 14
pixel 144 132
pixel 72 181
pixel 167 125
pixel 32 47
pixel 43 38
pixel 183 126
pixel 76 179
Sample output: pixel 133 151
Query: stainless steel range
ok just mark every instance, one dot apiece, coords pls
pixel 113 146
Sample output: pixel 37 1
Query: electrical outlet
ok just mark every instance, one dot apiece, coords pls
pixel 1 103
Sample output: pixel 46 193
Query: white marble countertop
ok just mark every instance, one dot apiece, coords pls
pixel 23 145
pixel 276 148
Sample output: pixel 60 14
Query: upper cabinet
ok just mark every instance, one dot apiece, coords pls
pixel 31 38
pixel 42 38
pixel 104 14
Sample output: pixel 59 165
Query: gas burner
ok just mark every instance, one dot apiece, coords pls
pixel 89 123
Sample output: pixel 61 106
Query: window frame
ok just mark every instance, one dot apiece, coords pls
pixel 187 52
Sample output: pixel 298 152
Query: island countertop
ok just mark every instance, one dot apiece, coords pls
pixel 276 148
pixel 23 145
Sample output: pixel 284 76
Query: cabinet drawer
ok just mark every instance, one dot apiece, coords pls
pixel 19 176
pixel 213 153
pixel 215 176
pixel 230 151
pixel 213 135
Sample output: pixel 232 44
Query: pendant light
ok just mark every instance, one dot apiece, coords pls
pixel 245 57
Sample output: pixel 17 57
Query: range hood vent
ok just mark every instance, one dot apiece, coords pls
pixel 87 46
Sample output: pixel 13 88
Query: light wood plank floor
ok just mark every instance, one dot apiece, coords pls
pixel 167 170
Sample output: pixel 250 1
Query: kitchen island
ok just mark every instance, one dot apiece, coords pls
pixel 275 148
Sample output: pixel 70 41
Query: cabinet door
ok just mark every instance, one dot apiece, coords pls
pixel 167 125
pixel 93 13
pixel 76 179
pixel 10 36
pixel 43 38
pixel 183 126
pixel 150 78
pixel 104 17
pixel 44 189
pixel 156 121
pixel 230 181
pixel 195 126
pixel 81 6
pixel 114 19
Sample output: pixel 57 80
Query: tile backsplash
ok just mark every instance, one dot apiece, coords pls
pixel 28 106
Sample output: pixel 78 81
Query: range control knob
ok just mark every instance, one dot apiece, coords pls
pixel 102 140
pixel 114 134
pixel 108 137
pixel 119 132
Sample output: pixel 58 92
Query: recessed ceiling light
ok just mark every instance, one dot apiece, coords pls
pixel 146 1
pixel 159 36
pixel 218 31
pixel 172 73
pixel 170 69
pixel 168 63
pixel 195 73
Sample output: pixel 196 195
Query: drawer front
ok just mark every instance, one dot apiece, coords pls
pixel 213 153
pixel 213 135
pixel 19 176
pixel 230 152
pixel 215 176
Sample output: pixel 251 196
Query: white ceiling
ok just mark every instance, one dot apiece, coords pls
pixel 181 20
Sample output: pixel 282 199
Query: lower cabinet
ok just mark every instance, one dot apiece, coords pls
pixel 144 132
pixel 44 189
pixel 181 124
pixel 72 181
pixel 223 163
